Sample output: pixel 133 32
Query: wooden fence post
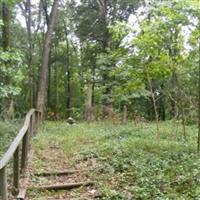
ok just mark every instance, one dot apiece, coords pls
pixel 16 171
pixel 36 121
pixel 31 127
pixel 41 117
pixel 3 184
pixel 33 124
pixel 25 150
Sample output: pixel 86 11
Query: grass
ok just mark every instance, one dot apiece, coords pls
pixel 132 163
pixel 8 130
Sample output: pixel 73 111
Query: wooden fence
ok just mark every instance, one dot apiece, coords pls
pixel 18 151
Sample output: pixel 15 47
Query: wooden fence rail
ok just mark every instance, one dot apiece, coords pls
pixel 18 151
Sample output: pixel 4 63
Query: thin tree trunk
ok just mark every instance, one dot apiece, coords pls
pixel 125 113
pixel 45 59
pixel 93 82
pixel 56 100
pixel 162 104
pixel 174 111
pixel 88 103
pixel 172 54
pixel 198 142
pixel 68 76
pixel 68 100
pixel 180 106
pixel 49 84
pixel 27 13
pixel 154 103
pixel 183 122
pixel 56 91
pixel 28 17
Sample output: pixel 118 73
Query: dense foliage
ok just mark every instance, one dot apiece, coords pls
pixel 107 54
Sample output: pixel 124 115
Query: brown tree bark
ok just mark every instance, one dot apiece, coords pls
pixel 154 102
pixel 67 75
pixel 161 109
pixel 49 84
pixel 88 103
pixel 125 113
pixel 198 142
pixel 174 80
pixel 45 10
pixel 93 83
pixel 26 9
pixel 56 96
pixel 30 56
pixel 174 107
pixel 103 14
pixel 45 58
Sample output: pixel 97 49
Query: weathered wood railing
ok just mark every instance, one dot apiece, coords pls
pixel 21 144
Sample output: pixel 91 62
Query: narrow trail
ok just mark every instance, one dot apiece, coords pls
pixel 54 160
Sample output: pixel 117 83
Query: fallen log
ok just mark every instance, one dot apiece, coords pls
pixel 63 186
pixel 61 173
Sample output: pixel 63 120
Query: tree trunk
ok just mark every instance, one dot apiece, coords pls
pixel 103 14
pixel 93 82
pixel 68 91
pixel 174 110
pixel 88 103
pixel 198 142
pixel 56 99
pixel 154 102
pixel 28 17
pixel 27 13
pixel 180 106
pixel 172 53
pixel 183 119
pixel 125 113
pixel 49 84
pixel 67 75
pixel 56 91
pixel 45 58
pixel 162 104
pixel 45 10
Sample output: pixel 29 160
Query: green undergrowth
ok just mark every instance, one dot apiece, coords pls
pixel 8 131
pixel 133 162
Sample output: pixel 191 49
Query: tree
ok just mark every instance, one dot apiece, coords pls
pixel 105 13
pixel 148 57
pixel 45 58
pixel 11 65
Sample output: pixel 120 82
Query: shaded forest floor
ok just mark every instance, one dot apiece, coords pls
pixel 124 161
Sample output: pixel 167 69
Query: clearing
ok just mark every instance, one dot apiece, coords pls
pixel 124 161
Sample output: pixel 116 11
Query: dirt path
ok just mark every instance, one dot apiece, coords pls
pixel 54 159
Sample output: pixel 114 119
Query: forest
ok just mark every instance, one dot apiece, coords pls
pixel 114 88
